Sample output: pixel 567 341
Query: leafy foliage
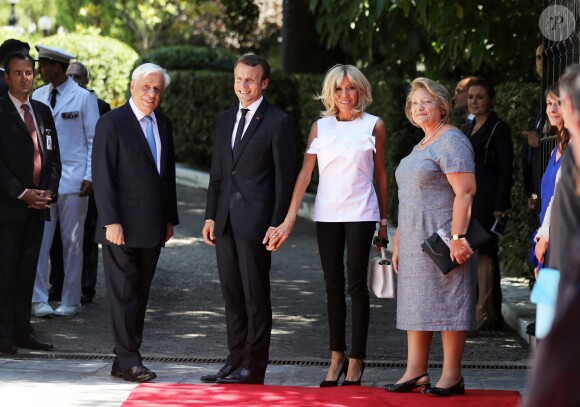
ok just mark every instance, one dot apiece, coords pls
pixel 109 62
pixel 185 57
pixel 457 36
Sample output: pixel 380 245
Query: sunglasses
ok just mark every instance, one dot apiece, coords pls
pixel 380 241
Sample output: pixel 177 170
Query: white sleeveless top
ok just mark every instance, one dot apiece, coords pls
pixel 345 153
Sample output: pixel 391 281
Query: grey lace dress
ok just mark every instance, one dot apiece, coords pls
pixel 427 299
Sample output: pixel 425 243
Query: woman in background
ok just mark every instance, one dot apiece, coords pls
pixel 491 139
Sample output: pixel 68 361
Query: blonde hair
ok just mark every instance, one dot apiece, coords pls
pixel 334 78
pixel 438 91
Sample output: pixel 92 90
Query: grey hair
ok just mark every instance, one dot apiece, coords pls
pixel 148 69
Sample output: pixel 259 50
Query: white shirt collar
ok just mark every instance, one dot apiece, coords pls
pixel 18 103
pixel 140 115
pixel 253 107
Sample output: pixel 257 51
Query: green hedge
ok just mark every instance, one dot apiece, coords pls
pixel 108 60
pixel 186 57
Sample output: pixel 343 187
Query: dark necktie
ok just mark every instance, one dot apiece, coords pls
pixel 32 130
pixel 53 97
pixel 151 137
pixel 240 130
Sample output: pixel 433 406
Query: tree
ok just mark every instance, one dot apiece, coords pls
pixel 491 37
pixel 137 22
pixel 300 53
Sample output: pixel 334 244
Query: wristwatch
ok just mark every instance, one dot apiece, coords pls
pixel 457 237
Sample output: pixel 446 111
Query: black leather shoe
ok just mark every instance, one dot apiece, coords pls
pixel 32 342
pixel 242 376
pixel 409 385
pixel 226 370
pixel 458 388
pixel 334 383
pixel 354 382
pixel 8 347
pixel 137 374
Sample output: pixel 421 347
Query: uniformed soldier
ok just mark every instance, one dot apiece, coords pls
pixel 75 113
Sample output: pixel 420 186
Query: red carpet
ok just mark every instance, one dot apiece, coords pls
pixel 178 395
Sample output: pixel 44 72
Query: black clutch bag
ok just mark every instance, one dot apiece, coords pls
pixel 437 246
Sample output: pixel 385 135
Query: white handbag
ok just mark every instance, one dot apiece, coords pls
pixel 381 281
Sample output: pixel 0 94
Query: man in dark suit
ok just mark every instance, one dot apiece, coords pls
pixel 29 176
pixel 252 176
pixel 134 186
pixel 8 47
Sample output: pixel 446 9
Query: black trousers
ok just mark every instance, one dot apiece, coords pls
pixel 128 276
pixel 244 270
pixel 19 250
pixel 90 256
pixel 332 238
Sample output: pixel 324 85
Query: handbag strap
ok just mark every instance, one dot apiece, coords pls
pixel 491 135
pixel 383 253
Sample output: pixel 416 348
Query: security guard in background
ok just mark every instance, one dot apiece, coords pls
pixel 75 113
pixel 80 74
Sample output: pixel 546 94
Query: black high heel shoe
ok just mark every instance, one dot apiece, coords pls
pixel 334 383
pixel 409 385
pixel 458 388
pixel 354 382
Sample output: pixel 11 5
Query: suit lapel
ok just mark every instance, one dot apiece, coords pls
pixel 138 131
pixel 250 131
pixel 14 114
pixel 162 128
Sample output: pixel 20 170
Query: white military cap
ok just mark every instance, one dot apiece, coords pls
pixel 54 54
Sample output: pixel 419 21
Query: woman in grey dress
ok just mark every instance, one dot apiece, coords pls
pixel 436 186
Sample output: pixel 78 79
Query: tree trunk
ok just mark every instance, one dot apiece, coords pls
pixel 302 51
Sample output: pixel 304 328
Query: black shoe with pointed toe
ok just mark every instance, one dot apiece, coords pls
pixel 409 385
pixel 226 370
pixel 458 388
pixel 242 376
pixel 354 382
pixel 334 383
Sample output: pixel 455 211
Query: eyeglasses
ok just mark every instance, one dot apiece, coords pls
pixel 380 241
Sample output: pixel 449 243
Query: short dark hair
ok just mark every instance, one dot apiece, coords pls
pixel 11 46
pixel 255 60
pixel 17 55
pixel 484 83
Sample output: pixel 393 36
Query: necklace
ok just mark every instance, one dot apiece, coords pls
pixel 426 139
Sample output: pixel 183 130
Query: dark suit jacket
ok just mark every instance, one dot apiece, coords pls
pixel 255 187
pixel 127 187
pixel 17 158
pixel 3 84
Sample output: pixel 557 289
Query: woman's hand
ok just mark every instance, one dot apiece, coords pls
pixel 541 249
pixel 460 251
pixel 280 235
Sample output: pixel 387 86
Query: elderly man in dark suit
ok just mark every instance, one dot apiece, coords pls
pixel 29 176
pixel 252 176
pixel 134 186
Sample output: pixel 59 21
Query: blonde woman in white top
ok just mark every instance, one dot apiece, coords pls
pixel 351 198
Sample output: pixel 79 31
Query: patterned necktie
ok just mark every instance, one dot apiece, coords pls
pixel 240 130
pixel 53 97
pixel 151 137
pixel 32 130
